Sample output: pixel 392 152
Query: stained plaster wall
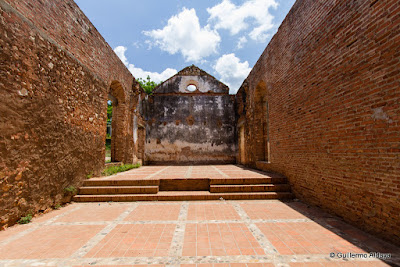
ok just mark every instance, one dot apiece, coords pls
pixel 190 127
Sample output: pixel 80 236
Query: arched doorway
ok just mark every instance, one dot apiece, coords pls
pixel 261 123
pixel 115 123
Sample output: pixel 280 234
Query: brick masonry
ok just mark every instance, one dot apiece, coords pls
pixel 56 73
pixel 331 78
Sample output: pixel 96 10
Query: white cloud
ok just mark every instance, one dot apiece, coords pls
pixel 232 71
pixel 184 34
pixel 227 15
pixel 120 51
pixel 140 73
pixel 241 42
pixel 155 76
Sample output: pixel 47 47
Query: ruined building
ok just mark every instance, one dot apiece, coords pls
pixel 321 106
pixel 190 125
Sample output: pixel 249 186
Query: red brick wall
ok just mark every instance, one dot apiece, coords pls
pixel 331 78
pixel 55 75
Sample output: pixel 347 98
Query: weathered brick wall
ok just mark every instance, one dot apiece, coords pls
pixel 331 79
pixel 56 73
pixel 190 127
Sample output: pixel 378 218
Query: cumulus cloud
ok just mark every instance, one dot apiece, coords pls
pixel 232 71
pixel 241 42
pixel 140 73
pixel 155 76
pixel 227 15
pixel 120 51
pixel 183 34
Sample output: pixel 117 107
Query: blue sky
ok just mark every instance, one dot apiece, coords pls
pixel 158 37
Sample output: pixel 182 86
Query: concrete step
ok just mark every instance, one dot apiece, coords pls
pixel 112 190
pixel 182 195
pixel 248 181
pixel 250 188
pixel 121 182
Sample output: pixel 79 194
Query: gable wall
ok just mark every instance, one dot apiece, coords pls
pixel 190 127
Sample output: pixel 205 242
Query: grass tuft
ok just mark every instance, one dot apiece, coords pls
pixel 70 189
pixel 26 219
pixel 115 169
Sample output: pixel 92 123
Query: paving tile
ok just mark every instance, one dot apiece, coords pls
pixel 94 213
pixel 135 240
pixel 219 239
pixel 271 211
pixel 12 231
pixel 229 265
pixel 50 215
pixel 145 212
pixel 212 212
pixel 50 242
pixel 135 265
pixel 343 263
pixel 305 238
pixel 206 232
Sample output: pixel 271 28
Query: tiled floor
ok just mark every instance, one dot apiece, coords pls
pixel 193 234
pixel 208 171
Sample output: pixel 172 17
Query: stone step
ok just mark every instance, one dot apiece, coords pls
pixel 248 181
pixel 112 190
pixel 121 182
pixel 250 188
pixel 182 195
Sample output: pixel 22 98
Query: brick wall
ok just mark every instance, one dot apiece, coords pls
pixel 56 73
pixel 331 78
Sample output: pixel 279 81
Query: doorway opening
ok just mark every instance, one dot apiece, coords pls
pixel 109 130
pixel 116 110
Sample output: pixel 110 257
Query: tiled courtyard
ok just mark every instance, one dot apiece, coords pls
pixel 213 233
pixel 190 171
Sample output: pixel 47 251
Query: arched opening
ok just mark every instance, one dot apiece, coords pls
pixel 261 123
pixel 115 123
pixel 109 130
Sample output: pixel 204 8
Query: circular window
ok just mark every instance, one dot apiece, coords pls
pixel 191 87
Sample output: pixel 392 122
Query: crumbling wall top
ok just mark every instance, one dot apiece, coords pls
pixel 192 80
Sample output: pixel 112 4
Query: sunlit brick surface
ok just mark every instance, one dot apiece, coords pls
pixel 155 213
pixel 220 239
pixel 212 212
pixel 50 242
pixel 229 265
pixel 135 241
pixel 192 234
pixel 271 211
pixel 93 213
